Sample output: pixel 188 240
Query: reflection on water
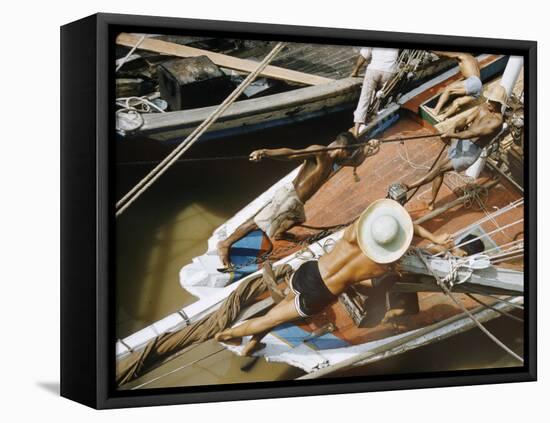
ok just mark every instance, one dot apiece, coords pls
pixel 171 223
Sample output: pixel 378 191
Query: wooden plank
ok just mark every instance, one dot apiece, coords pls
pixel 223 60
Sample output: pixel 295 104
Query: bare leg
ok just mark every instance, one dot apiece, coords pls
pixel 254 344
pixel 281 313
pixel 438 180
pixel 240 232
pixel 428 177
pixel 456 105
pixel 456 88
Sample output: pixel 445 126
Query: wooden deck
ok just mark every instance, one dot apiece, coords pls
pixel 341 199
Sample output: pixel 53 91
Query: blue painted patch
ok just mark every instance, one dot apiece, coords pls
pixel 295 336
pixel 244 251
pixel 385 124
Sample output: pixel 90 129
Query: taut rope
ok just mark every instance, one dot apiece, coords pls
pixel 152 176
pixel 316 150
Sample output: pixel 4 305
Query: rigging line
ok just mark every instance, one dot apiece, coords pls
pixel 507 252
pixel 152 176
pixel 494 297
pixel 317 150
pixel 464 309
pixel 507 258
pixel 482 236
pixel 178 369
pixel 489 306
pixel 494 214
pixel 125 58
pixel 497 213
pixel 498 247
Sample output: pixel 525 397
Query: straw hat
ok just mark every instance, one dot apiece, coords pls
pixel 384 231
pixel 497 93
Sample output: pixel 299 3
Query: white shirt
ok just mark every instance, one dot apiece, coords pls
pixel 381 59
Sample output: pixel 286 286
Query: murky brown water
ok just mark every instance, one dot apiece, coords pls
pixel 171 224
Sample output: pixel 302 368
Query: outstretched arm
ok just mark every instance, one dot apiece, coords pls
pixel 443 239
pixel 486 127
pixel 286 153
pixel 465 120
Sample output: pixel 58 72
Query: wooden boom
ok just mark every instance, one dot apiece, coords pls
pixel 223 60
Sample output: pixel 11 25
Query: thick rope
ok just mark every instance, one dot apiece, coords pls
pixel 317 150
pixel 152 176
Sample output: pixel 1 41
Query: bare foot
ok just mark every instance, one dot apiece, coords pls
pixel 459 252
pixel 253 345
pixel 226 337
pixel 223 252
pixel 431 206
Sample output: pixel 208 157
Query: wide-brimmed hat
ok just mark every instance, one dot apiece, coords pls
pixel 497 93
pixel 384 231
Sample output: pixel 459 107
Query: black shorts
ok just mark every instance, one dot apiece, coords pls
pixel 312 295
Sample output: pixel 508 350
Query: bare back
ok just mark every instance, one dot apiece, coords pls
pixel 313 173
pixel 485 118
pixel 468 65
pixel 346 264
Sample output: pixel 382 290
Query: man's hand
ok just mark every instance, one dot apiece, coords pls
pixel 446 136
pixel 444 240
pixel 459 252
pixel 374 143
pixel 257 155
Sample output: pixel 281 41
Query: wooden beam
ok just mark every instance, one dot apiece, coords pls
pixel 223 60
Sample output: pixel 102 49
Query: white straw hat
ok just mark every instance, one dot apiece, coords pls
pixel 384 231
pixel 497 93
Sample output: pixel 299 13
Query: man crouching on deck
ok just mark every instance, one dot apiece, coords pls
pixel 368 249
pixel 286 209
pixel 470 134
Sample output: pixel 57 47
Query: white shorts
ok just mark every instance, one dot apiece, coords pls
pixel 284 206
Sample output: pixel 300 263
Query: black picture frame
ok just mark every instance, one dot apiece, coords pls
pixel 87 217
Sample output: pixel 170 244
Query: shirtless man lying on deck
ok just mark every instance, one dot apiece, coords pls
pixel 369 248
pixel 470 134
pixel 466 90
pixel 286 209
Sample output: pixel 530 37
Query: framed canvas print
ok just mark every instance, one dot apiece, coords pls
pixel 256 211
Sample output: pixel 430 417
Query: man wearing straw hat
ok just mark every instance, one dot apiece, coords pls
pixel 286 208
pixel 368 249
pixel 469 135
